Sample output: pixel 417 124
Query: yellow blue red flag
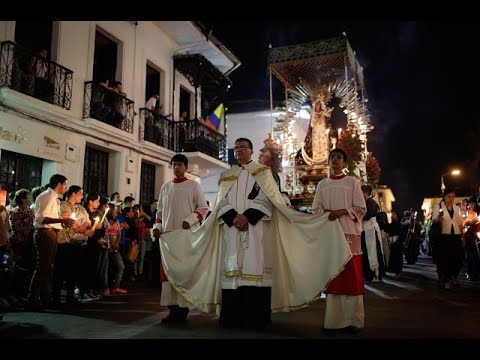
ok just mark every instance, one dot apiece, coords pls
pixel 216 120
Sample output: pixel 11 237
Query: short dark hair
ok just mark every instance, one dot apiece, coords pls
pixel 246 140
pixel 367 189
pixel 103 200
pixel 56 179
pixel 126 210
pixel 37 190
pixel 179 158
pixel 340 151
pixel 128 199
pixel 448 191
pixel 113 195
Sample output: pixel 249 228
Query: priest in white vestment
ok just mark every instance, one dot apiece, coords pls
pixel 181 205
pixel 247 278
pixel 341 197
pixel 253 255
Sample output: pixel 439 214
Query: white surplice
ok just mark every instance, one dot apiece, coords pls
pixel 248 259
pixel 335 194
pixel 179 201
pixel 308 251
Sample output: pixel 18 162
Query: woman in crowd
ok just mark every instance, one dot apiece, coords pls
pixel 450 243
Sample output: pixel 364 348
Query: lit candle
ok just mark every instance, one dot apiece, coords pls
pixel 3 197
pixel 73 215
pixel 104 214
pixel 95 224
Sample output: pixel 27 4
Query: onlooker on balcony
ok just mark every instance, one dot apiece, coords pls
pixel 182 133
pixel 153 105
pixel 152 120
pixel 39 67
pixel 99 110
pixel 22 77
pixel 114 102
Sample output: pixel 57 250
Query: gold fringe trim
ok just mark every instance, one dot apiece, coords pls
pixel 232 273
pixel 259 170
pixel 242 276
pixel 228 178
pixel 251 277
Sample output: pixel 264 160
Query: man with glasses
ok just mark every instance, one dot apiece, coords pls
pixel 253 254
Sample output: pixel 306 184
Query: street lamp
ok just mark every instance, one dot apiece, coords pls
pixel 454 172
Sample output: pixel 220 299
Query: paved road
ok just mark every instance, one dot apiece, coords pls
pixel 411 306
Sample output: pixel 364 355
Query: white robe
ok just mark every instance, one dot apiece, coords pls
pixel 335 194
pixel 308 251
pixel 179 202
pixel 247 253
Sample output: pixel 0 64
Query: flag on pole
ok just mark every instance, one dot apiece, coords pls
pixel 216 120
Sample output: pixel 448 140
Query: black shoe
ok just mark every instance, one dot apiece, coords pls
pixel 352 329
pixel 330 331
pixel 169 319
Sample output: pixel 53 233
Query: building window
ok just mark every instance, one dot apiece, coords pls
pixel 95 171
pixel 185 102
pixel 155 79
pixel 147 183
pixel 105 58
pixel 20 171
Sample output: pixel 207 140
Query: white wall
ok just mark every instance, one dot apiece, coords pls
pixel 74 47
pixel 257 125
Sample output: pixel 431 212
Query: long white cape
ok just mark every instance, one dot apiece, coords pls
pixel 308 251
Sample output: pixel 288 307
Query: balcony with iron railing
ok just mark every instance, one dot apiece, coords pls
pixel 192 135
pixel 109 107
pixel 185 136
pixel 156 129
pixel 25 71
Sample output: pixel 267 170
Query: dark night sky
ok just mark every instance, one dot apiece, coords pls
pixel 418 75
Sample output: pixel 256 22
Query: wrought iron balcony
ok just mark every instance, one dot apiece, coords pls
pixel 192 135
pixel 25 71
pixel 185 136
pixel 108 107
pixel 156 129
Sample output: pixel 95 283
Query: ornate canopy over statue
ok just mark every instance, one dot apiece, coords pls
pixel 318 72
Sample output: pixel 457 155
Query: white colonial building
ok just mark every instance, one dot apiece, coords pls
pixel 58 113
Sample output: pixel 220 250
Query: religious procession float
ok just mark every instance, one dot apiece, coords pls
pixel 320 79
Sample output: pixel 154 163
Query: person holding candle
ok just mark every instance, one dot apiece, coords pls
pixel 48 223
pixel 69 262
pixel 101 272
pixel 94 244
pixel 450 241
pixel 21 225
